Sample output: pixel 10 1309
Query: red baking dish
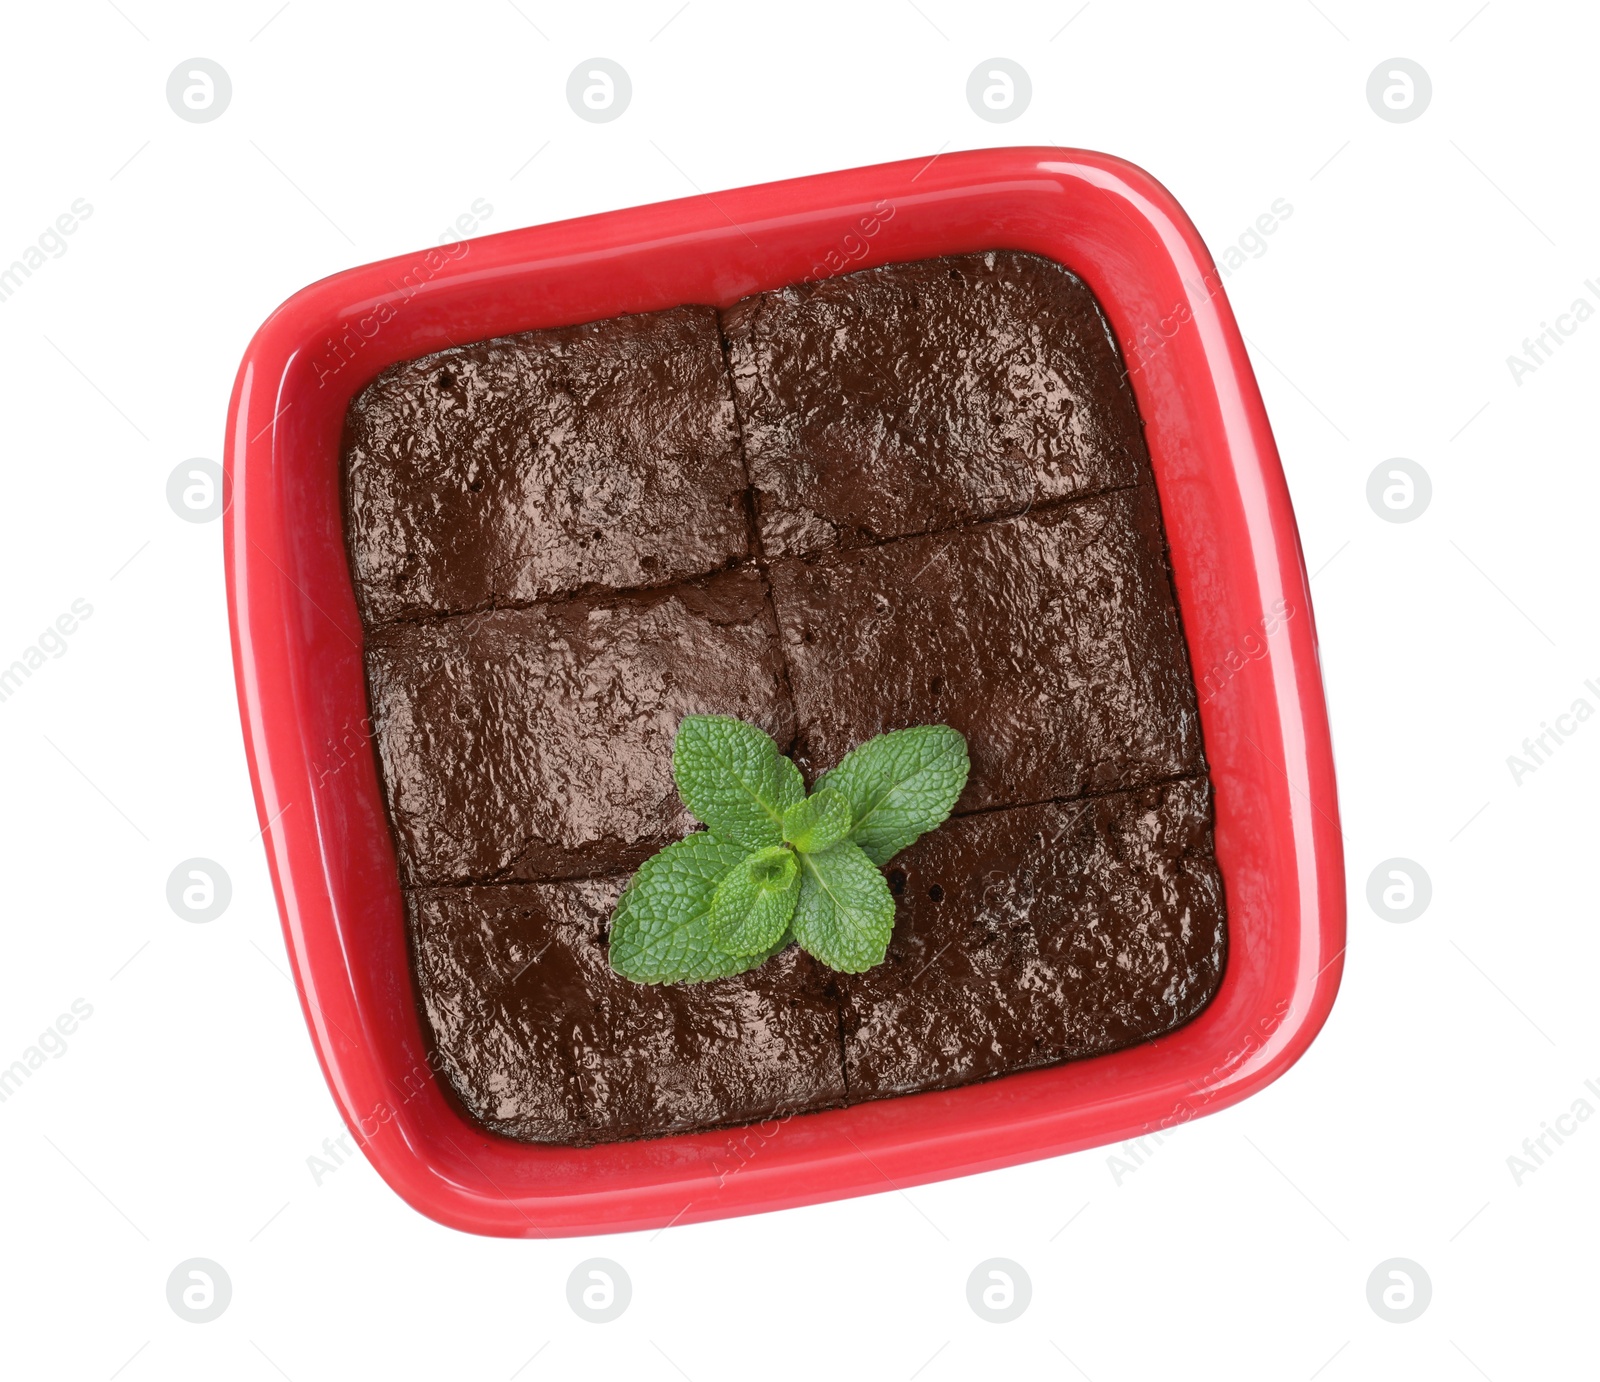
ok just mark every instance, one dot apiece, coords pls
pixel 1241 586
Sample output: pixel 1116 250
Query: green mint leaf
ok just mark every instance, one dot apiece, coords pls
pixel 900 785
pixel 660 930
pixel 846 911
pixel 822 819
pixel 753 904
pixel 733 779
pixel 776 866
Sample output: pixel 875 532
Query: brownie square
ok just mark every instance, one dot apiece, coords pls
pixel 1041 934
pixel 596 456
pixel 915 397
pixel 541 1040
pixel 537 743
pixel 1050 640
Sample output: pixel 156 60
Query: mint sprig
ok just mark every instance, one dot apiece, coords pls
pixel 775 865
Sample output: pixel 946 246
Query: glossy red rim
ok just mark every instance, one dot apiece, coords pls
pixel 1241 586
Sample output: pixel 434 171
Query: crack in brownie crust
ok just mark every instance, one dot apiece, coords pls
pixel 913 495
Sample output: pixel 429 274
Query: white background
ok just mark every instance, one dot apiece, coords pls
pixel 179 1120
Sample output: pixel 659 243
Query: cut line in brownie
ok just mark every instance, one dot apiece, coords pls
pixel 914 495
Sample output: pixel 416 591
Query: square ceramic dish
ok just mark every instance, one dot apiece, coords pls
pixel 1242 590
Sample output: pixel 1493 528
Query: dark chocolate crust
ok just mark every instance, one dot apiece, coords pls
pixel 1047 932
pixel 543 1041
pixel 596 456
pixel 1050 640
pixel 881 404
pixel 537 743
pixel 914 495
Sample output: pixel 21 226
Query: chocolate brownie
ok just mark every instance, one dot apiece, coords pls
pixel 597 456
pixel 1050 640
pixel 918 396
pixel 542 1040
pixel 537 743
pixel 1029 936
pixel 914 495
